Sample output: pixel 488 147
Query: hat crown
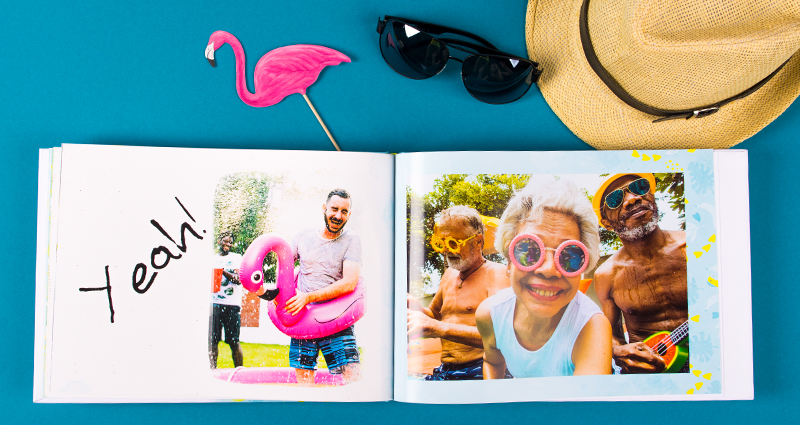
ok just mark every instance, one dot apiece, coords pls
pixel 685 54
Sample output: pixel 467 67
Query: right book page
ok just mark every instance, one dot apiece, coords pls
pixel 600 275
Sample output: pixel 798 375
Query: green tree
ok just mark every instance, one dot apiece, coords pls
pixel 672 184
pixel 487 193
pixel 240 207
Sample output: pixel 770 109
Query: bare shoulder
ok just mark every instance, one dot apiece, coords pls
pixel 495 267
pixel 678 236
pixel 499 277
pixel 604 274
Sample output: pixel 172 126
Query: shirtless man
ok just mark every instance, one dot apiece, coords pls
pixel 468 280
pixel 646 279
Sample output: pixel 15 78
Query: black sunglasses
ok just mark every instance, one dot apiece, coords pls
pixel 419 50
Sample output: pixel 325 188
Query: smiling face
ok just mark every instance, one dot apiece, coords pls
pixel 544 291
pixel 470 254
pixel 336 212
pixel 636 217
pixel 225 244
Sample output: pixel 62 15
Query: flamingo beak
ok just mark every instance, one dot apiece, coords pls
pixel 210 54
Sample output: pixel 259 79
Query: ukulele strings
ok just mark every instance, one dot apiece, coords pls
pixel 671 344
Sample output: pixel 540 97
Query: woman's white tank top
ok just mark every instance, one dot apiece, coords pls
pixel 555 357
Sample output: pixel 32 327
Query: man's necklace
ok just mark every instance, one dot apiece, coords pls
pixel 463 278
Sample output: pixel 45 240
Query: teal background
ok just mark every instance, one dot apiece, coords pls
pixel 133 73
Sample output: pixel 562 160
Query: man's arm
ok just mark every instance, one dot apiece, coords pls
pixel 494 364
pixel 232 277
pixel 345 285
pixel 602 285
pixel 413 305
pixel 632 358
pixel 420 323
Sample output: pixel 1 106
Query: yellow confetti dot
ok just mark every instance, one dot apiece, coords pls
pixel 685 201
pixel 707 376
pixel 713 282
pixel 698 385
pixel 697 373
pixel 635 154
pixel 692 150
pixel 713 238
pixel 706 247
pixel 690 392
pixel 690 366
pixel 695 318
pixel 645 158
pixel 656 157
pixel 697 254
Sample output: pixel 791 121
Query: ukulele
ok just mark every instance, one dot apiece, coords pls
pixel 666 345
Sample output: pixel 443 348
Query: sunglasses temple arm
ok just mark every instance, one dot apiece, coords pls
pixel 443 29
pixel 483 49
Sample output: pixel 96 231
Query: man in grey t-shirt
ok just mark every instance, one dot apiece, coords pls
pixel 330 263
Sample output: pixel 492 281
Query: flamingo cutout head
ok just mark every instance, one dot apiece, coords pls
pixel 280 72
pixel 214 42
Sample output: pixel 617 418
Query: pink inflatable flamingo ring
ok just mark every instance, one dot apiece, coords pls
pixel 312 321
pixel 279 73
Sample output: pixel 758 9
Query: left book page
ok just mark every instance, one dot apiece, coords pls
pixel 153 274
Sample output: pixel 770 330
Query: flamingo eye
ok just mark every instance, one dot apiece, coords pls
pixel 256 277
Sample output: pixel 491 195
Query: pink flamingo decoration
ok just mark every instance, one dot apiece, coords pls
pixel 279 73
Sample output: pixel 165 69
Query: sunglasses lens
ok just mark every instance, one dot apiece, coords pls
pixel 571 258
pixel 496 80
pixel 527 252
pixel 639 187
pixel 452 244
pixel 412 53
pixel 614 199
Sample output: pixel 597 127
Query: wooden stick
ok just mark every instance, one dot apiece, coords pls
pixel 320 122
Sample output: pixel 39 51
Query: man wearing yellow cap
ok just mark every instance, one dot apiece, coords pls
pixel 645 280
pixel 469 279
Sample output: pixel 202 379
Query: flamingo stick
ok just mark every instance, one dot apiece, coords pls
pixel 324 127
pixel 279 73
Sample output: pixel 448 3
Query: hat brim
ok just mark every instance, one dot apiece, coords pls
pixel 597 200
pixel 596 115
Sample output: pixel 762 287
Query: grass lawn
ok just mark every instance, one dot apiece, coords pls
pixel 263 355
pixel 259 355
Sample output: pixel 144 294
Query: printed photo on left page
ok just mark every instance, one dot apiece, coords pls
pixel 214 275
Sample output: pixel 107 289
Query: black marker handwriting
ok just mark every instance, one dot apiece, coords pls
pixel 159 259
pixel 104 288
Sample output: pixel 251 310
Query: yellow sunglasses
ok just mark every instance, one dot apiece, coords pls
pixel 449 243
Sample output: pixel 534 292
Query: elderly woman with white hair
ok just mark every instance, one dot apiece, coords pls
pixel 542 325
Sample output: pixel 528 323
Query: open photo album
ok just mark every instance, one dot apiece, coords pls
pixel 210 275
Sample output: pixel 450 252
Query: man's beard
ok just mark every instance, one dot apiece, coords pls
pixel 458 263
pixel 637 233
pixel 328 223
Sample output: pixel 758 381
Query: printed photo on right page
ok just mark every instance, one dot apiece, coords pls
pixel 593 275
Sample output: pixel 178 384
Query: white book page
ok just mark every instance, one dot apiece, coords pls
pixel 156 348
pixel 719 317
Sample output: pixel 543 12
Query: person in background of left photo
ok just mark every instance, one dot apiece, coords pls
pixel 226 303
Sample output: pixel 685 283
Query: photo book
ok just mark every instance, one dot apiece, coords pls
pixel 211 275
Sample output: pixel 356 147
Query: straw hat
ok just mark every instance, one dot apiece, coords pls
pixel 666 55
